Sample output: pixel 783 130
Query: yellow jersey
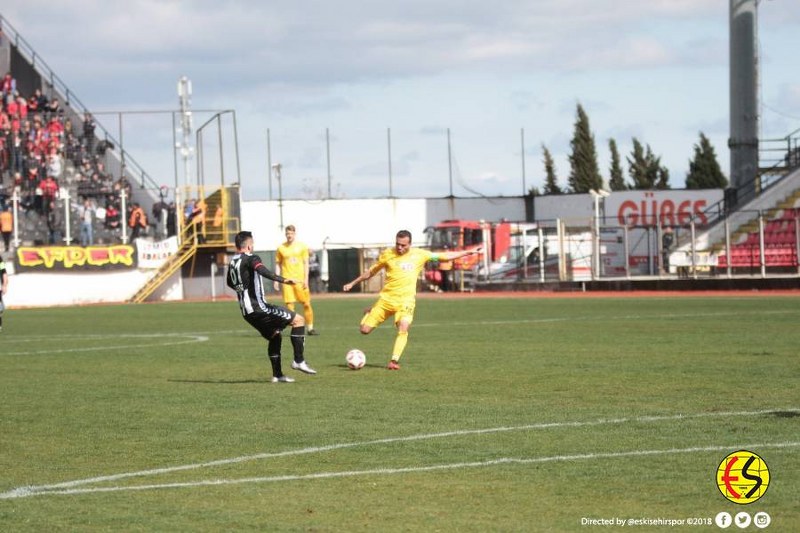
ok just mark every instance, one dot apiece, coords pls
pixel 402 272
pixel 292 259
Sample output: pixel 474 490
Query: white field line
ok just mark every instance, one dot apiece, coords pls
pixel 184 338
pixel 33 490
pixel 23 493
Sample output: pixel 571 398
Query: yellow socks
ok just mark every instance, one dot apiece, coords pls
pixel 399 345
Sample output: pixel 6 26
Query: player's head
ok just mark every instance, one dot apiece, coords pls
pixel 243 239
pixel 290 231
pixel 402 241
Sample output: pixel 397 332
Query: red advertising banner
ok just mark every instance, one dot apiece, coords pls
pixel 74 258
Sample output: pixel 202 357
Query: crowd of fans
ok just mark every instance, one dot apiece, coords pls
pixel 42 151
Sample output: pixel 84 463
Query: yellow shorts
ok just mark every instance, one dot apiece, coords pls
pixel 383 309
pixel 295 293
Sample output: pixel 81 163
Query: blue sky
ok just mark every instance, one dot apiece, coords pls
pixel 654 70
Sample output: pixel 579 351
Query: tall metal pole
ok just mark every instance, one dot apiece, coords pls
pixel 236 151
pixel 121 150
pixel 744 120
pixel 449 162
pixel 174 152
pixel 522 155
pixel 221 162
pixel 328 154
pixel 199 146
pixel 269 164
pixel 389 147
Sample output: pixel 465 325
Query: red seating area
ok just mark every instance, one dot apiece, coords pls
pixel 780 245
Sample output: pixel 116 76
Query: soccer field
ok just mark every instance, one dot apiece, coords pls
pixel 509 414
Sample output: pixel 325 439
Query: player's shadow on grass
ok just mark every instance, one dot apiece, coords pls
pixel 220 381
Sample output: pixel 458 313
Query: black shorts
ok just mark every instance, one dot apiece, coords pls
pixel 271 321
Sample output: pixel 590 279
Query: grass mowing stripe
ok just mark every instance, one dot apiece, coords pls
pixel 24 493
pixel 31 490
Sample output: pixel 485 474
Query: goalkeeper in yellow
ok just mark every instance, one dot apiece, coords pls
pixel 403 265
pixel 291 261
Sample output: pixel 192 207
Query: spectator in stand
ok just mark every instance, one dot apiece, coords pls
pixel 159 210
pixel 55 130
pixel 53 108
pixel 22 108
pixel 172 213
pixel 188 209
pixel 55 165
pixel 8 85
pixel 112 216
pixel 12 107
pixel 17 151
pixel 137 221
pixel 49 187
pixel 36 101
pixel 6 227
pixel 86 215
pixel 199 219
pixel 88 132
pixel 55 223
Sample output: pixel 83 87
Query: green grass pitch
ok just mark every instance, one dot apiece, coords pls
pixel 509 414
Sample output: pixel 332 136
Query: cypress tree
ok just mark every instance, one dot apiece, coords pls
pixel 645 168
pixel 704 170
pixel 551 181
pixel 616 181
pixel 584 172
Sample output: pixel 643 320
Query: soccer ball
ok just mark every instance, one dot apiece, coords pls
pixel 355 359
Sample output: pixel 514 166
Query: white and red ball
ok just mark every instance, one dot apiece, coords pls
pixel 355 359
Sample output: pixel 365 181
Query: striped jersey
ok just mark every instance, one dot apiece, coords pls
pixel 245 273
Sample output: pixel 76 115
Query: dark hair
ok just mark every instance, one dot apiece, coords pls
pixel 241 238
pixel 290 227
pixel 404 233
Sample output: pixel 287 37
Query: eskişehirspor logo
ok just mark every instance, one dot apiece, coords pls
pixel 743 477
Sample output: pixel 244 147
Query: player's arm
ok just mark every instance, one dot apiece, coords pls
pixel 363 277
pixel 269 274
pixel 452 256
pixel 5 282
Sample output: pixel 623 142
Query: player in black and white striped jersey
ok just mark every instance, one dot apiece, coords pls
pixel 245 273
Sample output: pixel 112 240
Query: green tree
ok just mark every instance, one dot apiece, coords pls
pixel 704 170
pixel 616 181
pixel 551 181
pixel 645 168
pixel 663 178
pixel 584 172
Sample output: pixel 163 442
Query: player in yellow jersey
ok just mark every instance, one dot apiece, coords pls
pixel 291 261
pixel 403 265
